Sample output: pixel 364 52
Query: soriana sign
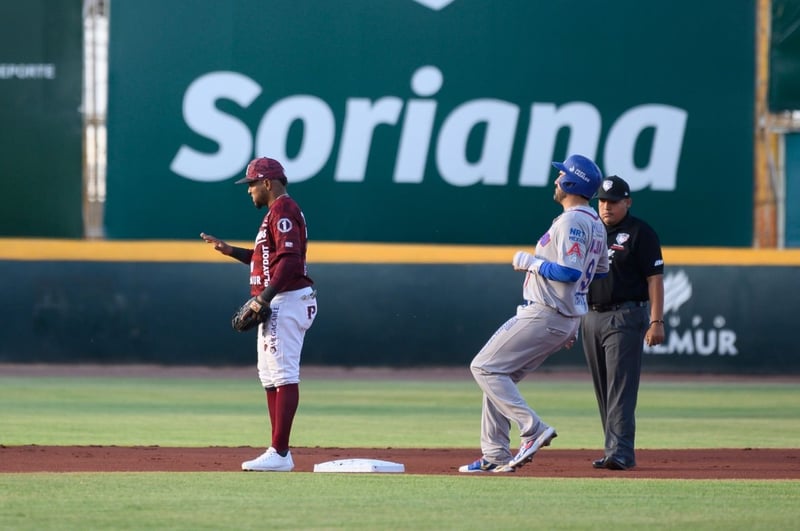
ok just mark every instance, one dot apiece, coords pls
pixel 447 112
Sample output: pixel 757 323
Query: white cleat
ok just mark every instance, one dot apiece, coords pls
pixel 270 461
pixel 530 447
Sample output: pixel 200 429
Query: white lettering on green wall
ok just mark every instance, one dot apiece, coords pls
pixel 498 119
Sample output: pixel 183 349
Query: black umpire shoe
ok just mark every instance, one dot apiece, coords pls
pixel 609 463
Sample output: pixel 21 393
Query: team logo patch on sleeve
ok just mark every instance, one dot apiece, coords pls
pixel 544 240
pixel 284 224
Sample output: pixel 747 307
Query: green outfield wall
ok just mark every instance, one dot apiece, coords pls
pixel 726 310
pixel 784 56
pixel 41 67
pixel 792 190
pixel 429 121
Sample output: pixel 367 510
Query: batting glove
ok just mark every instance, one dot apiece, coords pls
pixel 524 261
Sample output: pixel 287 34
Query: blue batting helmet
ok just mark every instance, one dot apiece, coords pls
pixel 581 176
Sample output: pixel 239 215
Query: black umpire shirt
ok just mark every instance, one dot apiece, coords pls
pixel 634 253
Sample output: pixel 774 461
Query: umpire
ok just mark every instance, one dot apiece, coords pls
pixel 620 321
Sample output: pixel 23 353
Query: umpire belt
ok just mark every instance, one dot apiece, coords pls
pixel 615 307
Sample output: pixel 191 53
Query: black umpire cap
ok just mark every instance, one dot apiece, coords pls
pixel 613 188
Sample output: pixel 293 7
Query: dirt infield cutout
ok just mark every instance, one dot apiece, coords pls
pixel 675 464
pixel 730 463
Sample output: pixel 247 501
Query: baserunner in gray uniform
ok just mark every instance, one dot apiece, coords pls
pixel 569 255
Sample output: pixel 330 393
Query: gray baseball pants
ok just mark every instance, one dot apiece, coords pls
pixel 518 347
pixel 613 343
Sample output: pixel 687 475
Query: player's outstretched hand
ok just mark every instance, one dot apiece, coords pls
pixel 219 245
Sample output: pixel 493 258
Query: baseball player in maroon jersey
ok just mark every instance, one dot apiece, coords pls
pixel 567 257
pixel 279 279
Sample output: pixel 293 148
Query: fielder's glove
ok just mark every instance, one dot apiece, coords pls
pixel 526 262
pixel 254 311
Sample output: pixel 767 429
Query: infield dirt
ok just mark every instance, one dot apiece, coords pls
pixel 729 463
pixel 677 464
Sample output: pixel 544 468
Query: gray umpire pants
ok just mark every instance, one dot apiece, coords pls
pixel 613 343
pixel 518 347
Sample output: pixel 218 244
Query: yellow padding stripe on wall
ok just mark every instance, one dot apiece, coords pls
pixel 349 252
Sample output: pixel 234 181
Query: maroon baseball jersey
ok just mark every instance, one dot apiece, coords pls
pixel 279 255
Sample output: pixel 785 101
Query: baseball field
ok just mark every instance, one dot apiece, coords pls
pixel 133 447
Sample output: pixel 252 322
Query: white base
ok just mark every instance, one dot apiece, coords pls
pixel 359 465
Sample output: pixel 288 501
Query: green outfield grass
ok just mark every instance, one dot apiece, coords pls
pixel 349 413
pixel 332 501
